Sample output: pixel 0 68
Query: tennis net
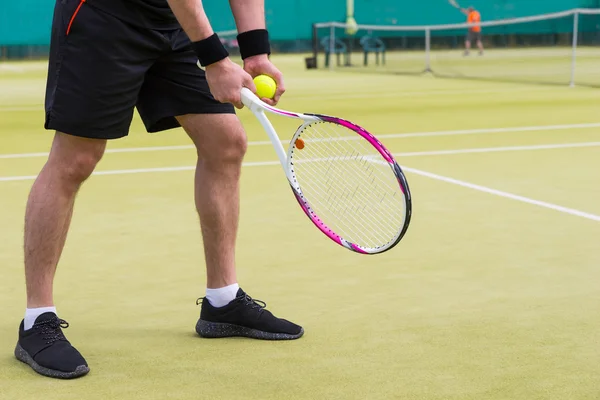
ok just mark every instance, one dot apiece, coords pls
pixel 559 48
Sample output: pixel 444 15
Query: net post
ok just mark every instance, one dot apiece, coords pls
pixel 315 41
pixel 427 49
pixel 574 49
pixel 331 46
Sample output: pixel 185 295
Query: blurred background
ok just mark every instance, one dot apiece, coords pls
pixel 409 37
pixel 25 25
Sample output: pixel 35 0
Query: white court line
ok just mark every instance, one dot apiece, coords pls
pixel 499 149
pixel 415 171
pixel 407 154
pixel 11 68
pixel 507 195
pixel 347 95
pixel 494 130
pixel 139 171
pixel 340 95
pixel 23 108
pixel 382 136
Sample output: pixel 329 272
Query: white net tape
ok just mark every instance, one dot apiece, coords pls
pixel 508 21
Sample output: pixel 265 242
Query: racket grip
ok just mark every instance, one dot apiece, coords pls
pixel 250 100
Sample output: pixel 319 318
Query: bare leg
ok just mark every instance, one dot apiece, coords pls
pixel 221 144
pixel 49 211
pixel 467 47
pixel 480 46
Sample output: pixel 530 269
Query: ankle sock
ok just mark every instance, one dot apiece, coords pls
pixel 222 296
pixel 31 315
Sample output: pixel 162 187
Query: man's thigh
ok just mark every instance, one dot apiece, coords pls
pixel 97 67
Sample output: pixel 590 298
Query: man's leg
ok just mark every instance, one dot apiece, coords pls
pixel 49 209
pixel 227 310
pixel 467 46
pixel 175 93
pixel 42 345
pixel 221 144
pixel 480 46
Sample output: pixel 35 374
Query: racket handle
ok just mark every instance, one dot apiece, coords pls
pixel 250 100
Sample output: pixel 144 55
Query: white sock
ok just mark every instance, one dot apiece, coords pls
pixel 222 296
pixel 31 315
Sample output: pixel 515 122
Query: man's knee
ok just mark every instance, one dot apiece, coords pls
pixel 81 165
pixel 75 158
pixel 219 139
pixel 235 144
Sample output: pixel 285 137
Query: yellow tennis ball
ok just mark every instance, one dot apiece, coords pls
pixel 265 86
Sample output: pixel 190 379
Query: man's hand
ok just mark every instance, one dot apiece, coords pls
pixel 226 80
pixel 259 65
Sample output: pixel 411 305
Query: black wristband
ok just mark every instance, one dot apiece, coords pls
pixel 253 43
pixel 210 50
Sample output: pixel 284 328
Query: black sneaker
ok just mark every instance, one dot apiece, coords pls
pixel 244 317
pixel 45 349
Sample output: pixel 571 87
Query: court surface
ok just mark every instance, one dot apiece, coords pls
pixel 493 293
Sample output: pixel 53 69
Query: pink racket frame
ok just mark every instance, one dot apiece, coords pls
pixel 258 107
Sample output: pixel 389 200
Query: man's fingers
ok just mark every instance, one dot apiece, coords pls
pixel 247 82
pixel 280 90
pixel 280 86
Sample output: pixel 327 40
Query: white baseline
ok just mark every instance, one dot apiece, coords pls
pixel 506 195
pixel 535 128
pixel 265 163
pixel 446 179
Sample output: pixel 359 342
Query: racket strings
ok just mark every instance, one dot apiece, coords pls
pixel 354 154
pixel 373 158
pixel 338 200
pixel 360 196
pixel 347 206
pixel 348 185
pixel 350 227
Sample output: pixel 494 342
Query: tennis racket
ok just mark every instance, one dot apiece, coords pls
pixel 454 4
pixel 345 180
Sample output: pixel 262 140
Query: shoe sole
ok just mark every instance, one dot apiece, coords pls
pixel 212 330
pixel 24 357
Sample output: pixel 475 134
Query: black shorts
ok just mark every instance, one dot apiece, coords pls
pixel 473 36
pixel 101 68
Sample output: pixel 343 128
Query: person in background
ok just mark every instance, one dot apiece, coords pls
pixel 474 34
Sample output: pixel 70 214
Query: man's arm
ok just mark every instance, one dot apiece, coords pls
pixel 193 19
pixel 249 16
pixel 225 78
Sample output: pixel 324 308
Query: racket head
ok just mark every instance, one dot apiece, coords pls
pixel 349 185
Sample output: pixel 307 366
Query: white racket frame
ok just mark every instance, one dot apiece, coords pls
pixel 258 108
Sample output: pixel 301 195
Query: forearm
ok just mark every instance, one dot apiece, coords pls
pixel 249 14
pixel 193 19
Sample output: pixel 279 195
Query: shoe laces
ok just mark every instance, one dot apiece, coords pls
pixel 51 329
pixel 245 299
pixel 249 301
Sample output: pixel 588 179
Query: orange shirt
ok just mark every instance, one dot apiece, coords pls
pixel 474 18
